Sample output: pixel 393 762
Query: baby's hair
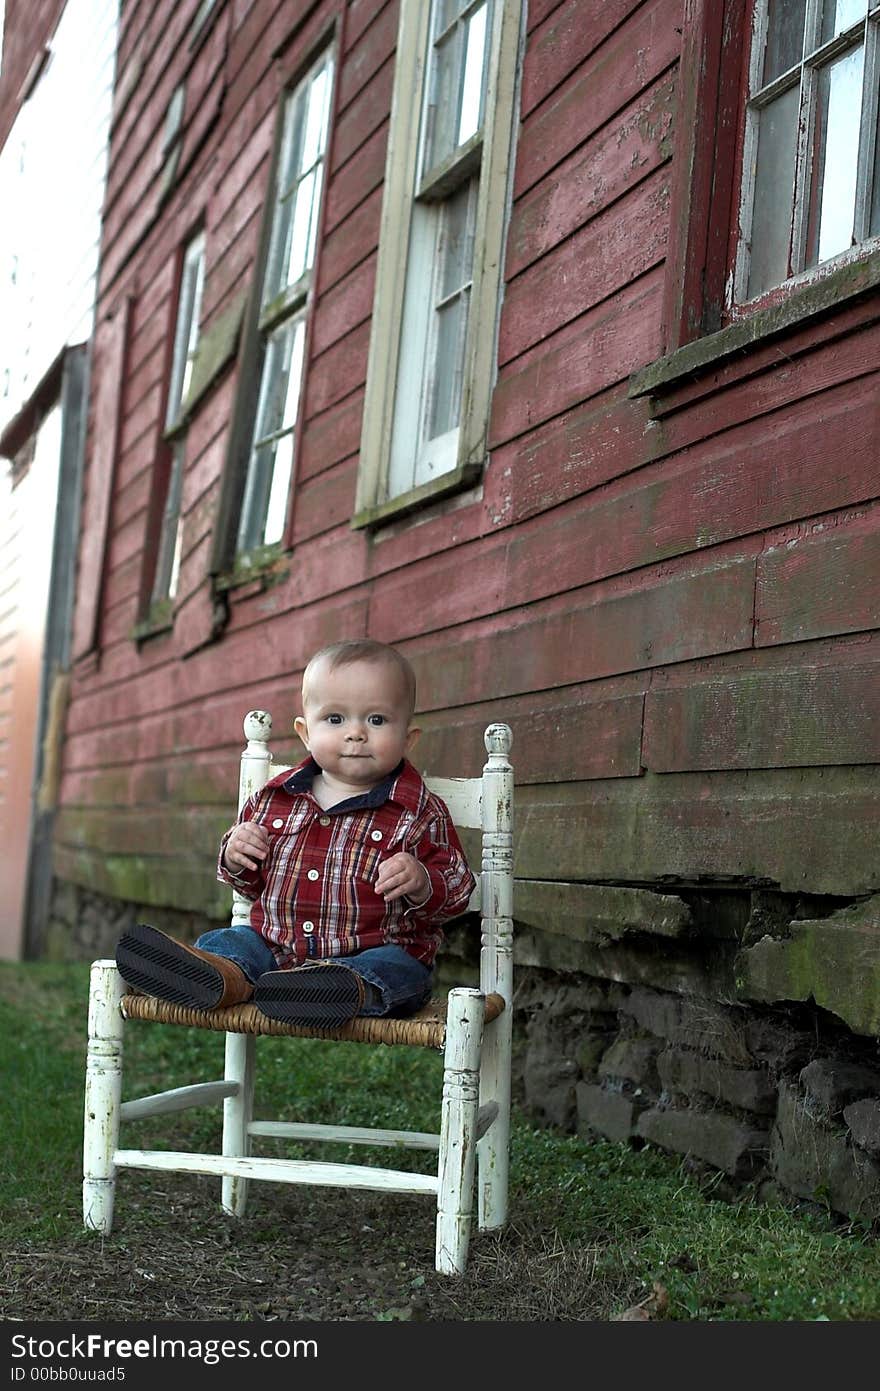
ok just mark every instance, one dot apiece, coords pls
pixel 339 654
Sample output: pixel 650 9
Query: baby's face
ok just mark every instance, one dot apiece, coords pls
pixel 356 721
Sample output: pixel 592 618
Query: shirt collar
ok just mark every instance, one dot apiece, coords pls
pixel 402 786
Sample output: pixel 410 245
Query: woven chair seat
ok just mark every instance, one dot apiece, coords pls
pixel 426 1029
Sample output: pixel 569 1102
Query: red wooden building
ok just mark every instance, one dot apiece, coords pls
pixel 541 341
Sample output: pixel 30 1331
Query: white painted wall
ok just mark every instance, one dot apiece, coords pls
pixel 52 178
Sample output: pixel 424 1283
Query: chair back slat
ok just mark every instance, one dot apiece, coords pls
pixel 464 798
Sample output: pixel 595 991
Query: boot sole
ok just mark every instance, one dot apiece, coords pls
pixel 155 964
pixel 321 995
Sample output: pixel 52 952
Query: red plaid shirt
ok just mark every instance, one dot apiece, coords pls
pixel 313 894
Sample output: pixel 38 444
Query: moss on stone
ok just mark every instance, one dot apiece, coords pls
pixel 833 961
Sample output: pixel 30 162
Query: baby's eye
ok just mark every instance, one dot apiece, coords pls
pixel 376 720
pixel 334 719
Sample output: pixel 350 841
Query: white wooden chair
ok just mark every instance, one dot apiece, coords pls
pixel 472 1026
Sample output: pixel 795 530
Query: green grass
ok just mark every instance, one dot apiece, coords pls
pixel 639 1217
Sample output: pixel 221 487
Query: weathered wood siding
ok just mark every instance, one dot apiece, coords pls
pixel 27 28
pixel 676 609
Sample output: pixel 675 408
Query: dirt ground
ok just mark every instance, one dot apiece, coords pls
pixel 318 1255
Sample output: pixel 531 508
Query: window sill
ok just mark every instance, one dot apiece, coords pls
pixel 464 476
pixel 800 304
pixel 261 568
pixel 159 619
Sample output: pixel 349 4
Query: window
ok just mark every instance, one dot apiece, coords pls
pixel 811 155
pixel 283 306
pixel 775 193
pixel 172 139
pixel 186 335
pixel 434 328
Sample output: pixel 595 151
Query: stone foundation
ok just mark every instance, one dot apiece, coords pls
pixel 714 1047
pixel 85 926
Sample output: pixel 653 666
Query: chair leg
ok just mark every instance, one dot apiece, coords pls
pixel 464 1031
pixel 103 1096
pixel 237 1112
pixel 494 1148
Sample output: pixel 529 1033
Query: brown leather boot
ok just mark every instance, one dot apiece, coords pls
pixel 159 965
pixel 323 993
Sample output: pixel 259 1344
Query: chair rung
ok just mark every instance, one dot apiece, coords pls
pixel 353 1135
pixel 178 1099
pixel 280 1171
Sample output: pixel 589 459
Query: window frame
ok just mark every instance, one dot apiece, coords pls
pixel 162 550
pixel 819 58
pixel 262 319
pixel 493 153
pixel 702 326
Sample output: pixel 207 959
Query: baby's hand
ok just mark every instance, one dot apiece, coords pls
pixel 248 844
pixel 402 875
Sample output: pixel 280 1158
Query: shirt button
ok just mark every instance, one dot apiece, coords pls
pixel 313 874
pixel 375 835
pixel 323 820
pixel 308 927
pixel 277 822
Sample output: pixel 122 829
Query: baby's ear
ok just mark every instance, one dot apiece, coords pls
pixel 412 737
pixel 302 729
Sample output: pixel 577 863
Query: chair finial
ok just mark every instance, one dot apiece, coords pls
pixel 257 726
pixel 498 739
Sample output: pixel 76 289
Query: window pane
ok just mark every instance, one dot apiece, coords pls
pixel 300 229
pixel 456 248
pixel 259 483
pixel 838 15
pixel 455 255
pixel 442 112
pixel 186 328
pixel 290 162
pixel 279 388
pixel 447 11
pixel 186 335
pixel 785 37
pixel 271 462
pixel 456 84
pixel 836 143
pixel 288 173
pixel 316 121
pixel 194 297
pixel 471 114
pixel 298 193
pixel 276 507
pixel 451 329
pixel 168 558
pixel 274 384
pixel 774 192
pixel 294 375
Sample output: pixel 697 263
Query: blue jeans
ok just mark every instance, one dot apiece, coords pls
pixel 404 983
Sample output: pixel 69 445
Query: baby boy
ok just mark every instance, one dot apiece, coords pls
pixel 350 862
